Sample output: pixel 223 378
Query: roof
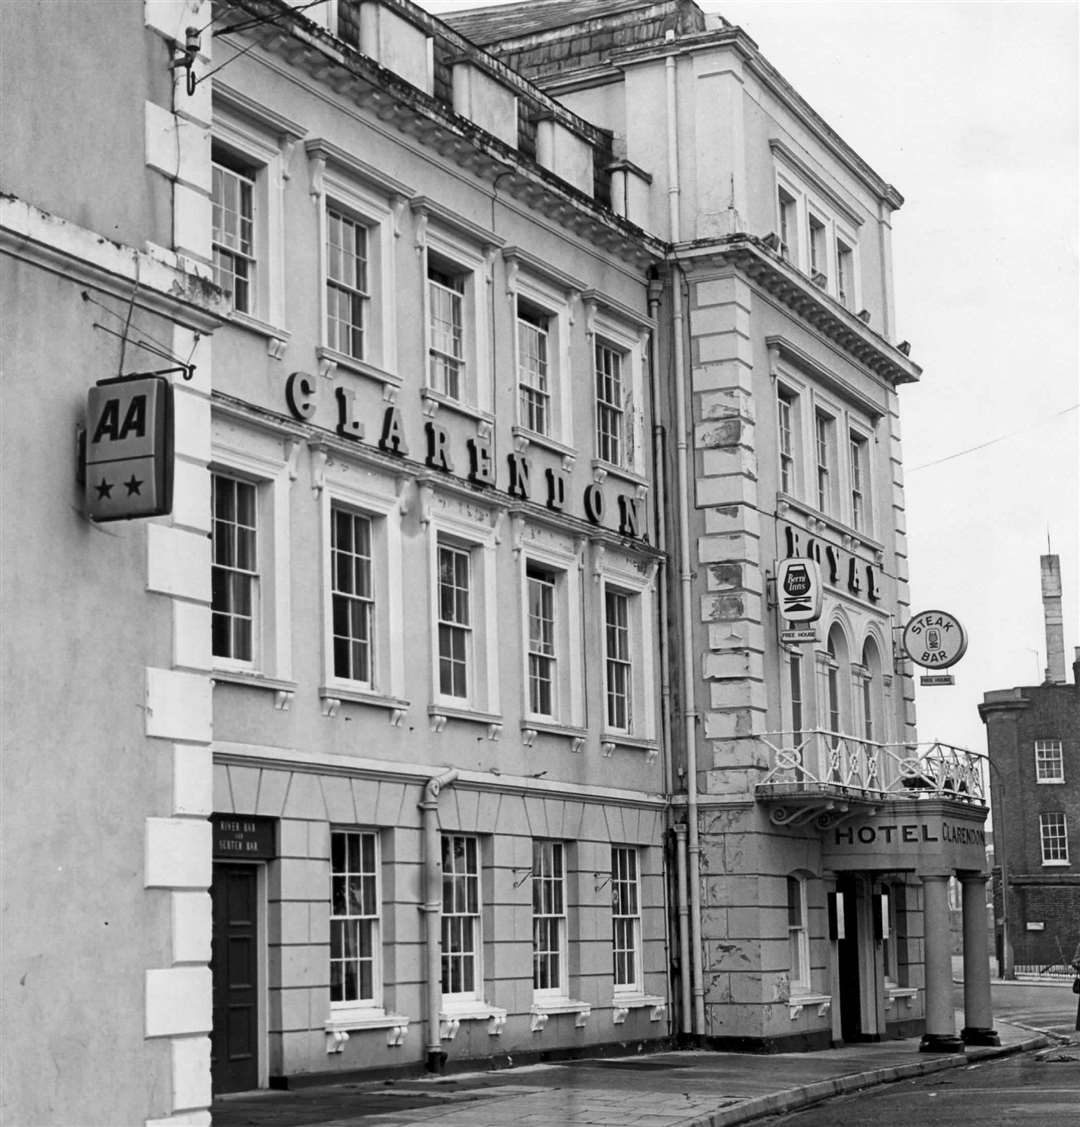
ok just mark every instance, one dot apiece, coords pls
pixel 485 26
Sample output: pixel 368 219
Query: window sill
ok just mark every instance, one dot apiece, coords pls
pixel 339 1025
pixel 524 438
pixel 284 690
pixel 905 994
pixel 454 1013
pixel 330 360
pixel 531 728
pixel 542 1009
pixel 602 470
pixel 798 1002
pixel 609 741
pixel 333 696
pixel 276 339
pixel 1056 864
pixel 438 714
pixel 622 1004
pixel 1049 782
pixel 434 401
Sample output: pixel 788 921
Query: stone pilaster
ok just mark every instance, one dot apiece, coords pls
pixel 178 861
pixel 727 557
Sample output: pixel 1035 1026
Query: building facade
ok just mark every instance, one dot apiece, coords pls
pixel 821 836
pixel 1033 740
pixel 509 356
pixel 106 717
pixel 434 609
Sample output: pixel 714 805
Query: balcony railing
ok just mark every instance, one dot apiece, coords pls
pixel 828 763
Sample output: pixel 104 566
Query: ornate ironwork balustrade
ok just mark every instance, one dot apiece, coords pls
pixel 821 768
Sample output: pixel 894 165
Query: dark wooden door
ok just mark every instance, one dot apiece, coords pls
pixel 234 1043
pixel 847 953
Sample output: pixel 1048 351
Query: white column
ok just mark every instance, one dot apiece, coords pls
pixel 940 1035
pixel 978 1011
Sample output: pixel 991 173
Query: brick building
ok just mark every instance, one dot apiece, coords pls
pixel 1033 739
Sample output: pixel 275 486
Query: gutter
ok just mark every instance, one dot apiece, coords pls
pixel 435 1058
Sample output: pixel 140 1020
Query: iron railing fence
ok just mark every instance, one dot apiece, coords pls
pixel 1044 971
pixel 820 761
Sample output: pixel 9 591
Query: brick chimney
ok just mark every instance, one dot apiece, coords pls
pixel 1055 631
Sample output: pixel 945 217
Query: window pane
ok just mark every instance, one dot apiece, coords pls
pixel 352 606
pixel 233 575
pixel 617 658
pixel 354 916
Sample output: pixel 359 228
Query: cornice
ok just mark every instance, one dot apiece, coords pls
pixel 255 111
pixel 806 364
pixel 88 259
pixel 318 148
pixel 623 312
pixel 446 217
pixel 543 269
pixel 811 177
pixel 767 269
pixel 356 78
pixel 1012 704
pixel 246 755
pixel 406 469
pixel 737 39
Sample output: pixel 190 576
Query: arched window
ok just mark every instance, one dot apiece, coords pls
pixel 837 684
pixel 873 703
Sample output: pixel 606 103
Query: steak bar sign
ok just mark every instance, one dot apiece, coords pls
pixel 908 841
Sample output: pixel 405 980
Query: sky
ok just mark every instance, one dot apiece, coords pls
pixel 971 110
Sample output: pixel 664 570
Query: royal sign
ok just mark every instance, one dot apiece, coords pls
pixel 129 448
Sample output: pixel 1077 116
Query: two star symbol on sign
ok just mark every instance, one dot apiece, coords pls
pixel 104 488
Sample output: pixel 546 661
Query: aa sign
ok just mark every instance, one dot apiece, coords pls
pixel 129 448
pixel 798 590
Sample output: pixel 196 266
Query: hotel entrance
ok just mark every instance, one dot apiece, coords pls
pixel 848 959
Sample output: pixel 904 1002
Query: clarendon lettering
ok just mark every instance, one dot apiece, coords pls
pixel 963 835
pixel 521 483
pixel 831 559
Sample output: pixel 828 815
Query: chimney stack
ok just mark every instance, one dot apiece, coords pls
pixel 1055 631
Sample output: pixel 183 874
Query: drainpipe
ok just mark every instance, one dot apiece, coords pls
pixel 432 909
pixel 685 576
pixel 684 934
pixel 655 292
pixel 659 453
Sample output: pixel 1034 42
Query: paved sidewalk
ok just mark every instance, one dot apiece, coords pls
pixel 676 1089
